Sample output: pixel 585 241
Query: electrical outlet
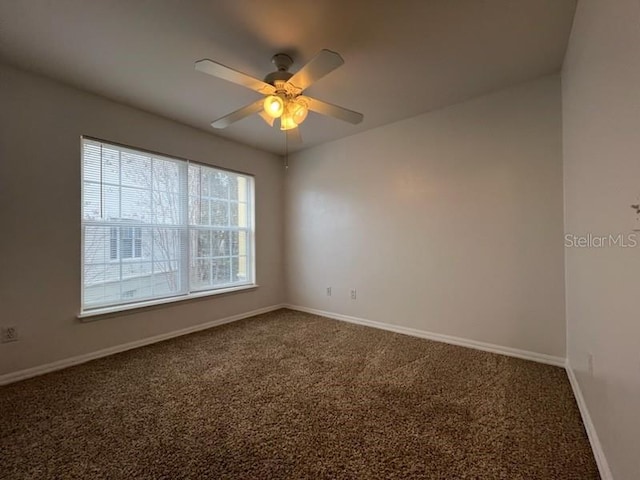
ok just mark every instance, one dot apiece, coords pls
pixel 328 291
pixel 353 294
pixel 9 334
pixel 590 364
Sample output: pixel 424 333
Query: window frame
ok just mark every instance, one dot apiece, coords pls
pixel 191 294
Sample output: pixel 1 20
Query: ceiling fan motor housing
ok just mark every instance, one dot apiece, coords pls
pixel 282 61
pixel 280 75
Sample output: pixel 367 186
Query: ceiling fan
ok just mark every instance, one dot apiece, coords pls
pixel 283 100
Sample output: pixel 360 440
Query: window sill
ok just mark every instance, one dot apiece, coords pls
pixel 106 311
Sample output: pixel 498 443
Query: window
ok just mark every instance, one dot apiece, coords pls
pixel 125 242
pixel 155 227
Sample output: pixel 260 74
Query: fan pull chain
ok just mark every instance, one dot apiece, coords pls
pixel 286 151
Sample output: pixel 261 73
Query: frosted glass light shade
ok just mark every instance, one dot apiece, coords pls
pixel 298 110
pixel 286 122
pixel 273 106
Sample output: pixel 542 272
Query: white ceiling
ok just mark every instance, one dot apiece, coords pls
pixel 403 57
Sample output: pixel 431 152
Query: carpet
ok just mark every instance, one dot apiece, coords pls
pixel 297 396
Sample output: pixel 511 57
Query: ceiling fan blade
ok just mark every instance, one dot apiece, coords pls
pixel 330 110
pixel 227 120
pixel 323 63
pixel 293 136
pixel 229 74
pixel 269 120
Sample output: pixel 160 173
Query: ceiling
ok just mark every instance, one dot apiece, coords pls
pixel 403 57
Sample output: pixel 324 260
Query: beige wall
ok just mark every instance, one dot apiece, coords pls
pixel 450 222
pixel 40 127
pixel 601 130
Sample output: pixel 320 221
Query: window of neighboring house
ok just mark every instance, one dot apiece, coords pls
pixel 155 227
pixel 125 242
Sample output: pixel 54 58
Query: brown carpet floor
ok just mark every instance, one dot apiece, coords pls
pixel 292 395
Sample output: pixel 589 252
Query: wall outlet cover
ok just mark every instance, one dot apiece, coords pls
pixel 9 334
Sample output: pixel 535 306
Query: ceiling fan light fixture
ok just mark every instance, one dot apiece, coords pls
pixel 282 92
pixel 273 106
pixel 298 109
pixel 287 122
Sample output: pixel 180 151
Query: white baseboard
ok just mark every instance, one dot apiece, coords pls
pixel 68 362
pixel 463 342
pixel 598 453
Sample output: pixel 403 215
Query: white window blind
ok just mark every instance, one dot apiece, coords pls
pixel 155 227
